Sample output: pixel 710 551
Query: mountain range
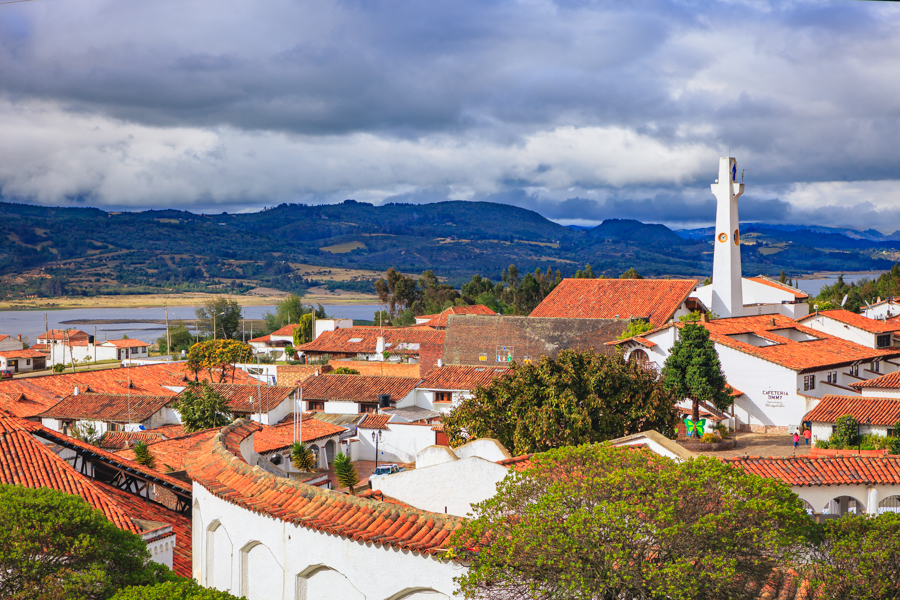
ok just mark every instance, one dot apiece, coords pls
pixel 296 246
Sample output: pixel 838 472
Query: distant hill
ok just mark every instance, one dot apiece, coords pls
pixel 294 246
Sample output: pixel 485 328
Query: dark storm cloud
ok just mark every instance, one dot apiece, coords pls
pixel 585 110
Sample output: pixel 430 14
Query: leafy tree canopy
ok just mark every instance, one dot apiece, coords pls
pixel 631 273
pixel 220 318
pixel 580 397
pixel 856 558
pixel 289 310
pixel 596 522
pixel 54 546
pixel 218 355
pixel 634 328
pixel 858 293
pixel 181 336
pixel 201 407
pixel 185 589
pixel 693 370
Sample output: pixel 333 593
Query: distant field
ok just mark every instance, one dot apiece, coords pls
pixel 344 248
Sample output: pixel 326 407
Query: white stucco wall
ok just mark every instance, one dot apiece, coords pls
pixel 337 407
pixel 401 442
pixel 885 309
pixel 837 329
pixel 268 559
pixel 451 487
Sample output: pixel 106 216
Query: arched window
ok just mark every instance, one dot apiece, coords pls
pixel 639 356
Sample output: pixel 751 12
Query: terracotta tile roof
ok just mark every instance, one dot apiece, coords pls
pixel 891 381
pixel 170 431
pixel 286 331
pixel 3 337
pixel 126 343
pixel 62 335
pixel 278 437
pixel 24 460
pixel 363 340
pixel 41 393
pixel 296 374
pixel 450 377
pixel 104 456
pixel 832 470
pixel 222 472
pixel 119 440
pixel 797 292
pixel 882 411
pixel 22 354
pixel 261 340
pixel 40 347
pixel 238 396
pixel 170 454
pixel 374 422
pixel 855 320
pixel 141 508
pixel 517 463
pixel 735 392
pixel 656 299
pixel 825 351
pixel 357 388
pixel 118 408
pixel 439 321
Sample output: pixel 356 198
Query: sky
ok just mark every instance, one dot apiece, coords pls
pixel 581 111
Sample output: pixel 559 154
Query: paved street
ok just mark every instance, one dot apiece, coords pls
pixel 763 444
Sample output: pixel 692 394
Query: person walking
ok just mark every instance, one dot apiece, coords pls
pixel 807 433
pixel 796 440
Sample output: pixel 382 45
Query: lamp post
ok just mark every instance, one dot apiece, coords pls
pixel 215 312
pixel 376 437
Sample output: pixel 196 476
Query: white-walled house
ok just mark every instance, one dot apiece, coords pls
pixel 882 309
pixel 446 386
pixel 854 327
pixel 110 412
pixel 266 404
pixel 62 351
pixel 8 342
pixel 20 361
pixel 782 367
pixel 354 394
pixel 393 441
pixel 270 538
pixel 875 415
pixel 886 386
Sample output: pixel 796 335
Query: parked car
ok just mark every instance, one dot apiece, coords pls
pixel 383 470
pixel 6 374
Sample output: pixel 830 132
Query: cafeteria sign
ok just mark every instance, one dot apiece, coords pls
pixel 775 398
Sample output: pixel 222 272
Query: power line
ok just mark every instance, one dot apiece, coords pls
pixel 15 1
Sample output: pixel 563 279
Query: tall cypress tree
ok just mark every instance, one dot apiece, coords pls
pixel 693 371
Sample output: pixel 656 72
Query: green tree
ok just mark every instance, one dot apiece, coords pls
pixel 631 273
pixel 636 327
pixel 86 431
pixel 580 397
pixel 201 407
pixel 181 336
pixel 183 589
pixel 302 457
pixel 396 290
pixel 846 432
pixel 218 355
pixel 588 273
pixel 856 558
pixel 54 545
pixel 596 522
pixel 345 472
pixel 289 310
pixel 693 371
pixel 143 456
pixel 221 314
pixel 303 332
pixel 782 278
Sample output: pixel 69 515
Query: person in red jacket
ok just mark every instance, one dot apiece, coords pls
pixel 807 433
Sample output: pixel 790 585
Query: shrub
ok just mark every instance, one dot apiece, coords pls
pixel 302 457
pixel 710 438
pixel 344 371
pixel 723 430
pixel 143 456
pixel 893 445
pixel 845 432
pixel 345 471
pixel 267 359
pixel 823 444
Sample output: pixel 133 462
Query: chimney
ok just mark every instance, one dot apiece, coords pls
pixel 379 348
pixel 704 317
pixel 76 391
pixel 772 322
pixel 19 337
pixel 440 363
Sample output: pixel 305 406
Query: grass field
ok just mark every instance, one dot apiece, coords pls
pixel 343 248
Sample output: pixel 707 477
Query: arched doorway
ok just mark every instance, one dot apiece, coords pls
pixel 329 451
pixel 843 505
pixel 639 356
pixel 889 504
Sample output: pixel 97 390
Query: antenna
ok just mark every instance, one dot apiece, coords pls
pixel 742 174
pixel 844 301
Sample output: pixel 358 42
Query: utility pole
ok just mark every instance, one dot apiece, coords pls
pixel 70 351
pixel 95 343
pixel 168 338
pixel 214 323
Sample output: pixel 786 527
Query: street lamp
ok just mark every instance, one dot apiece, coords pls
pixel 376 437
pixel 214 322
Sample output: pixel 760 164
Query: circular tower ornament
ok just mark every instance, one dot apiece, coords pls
pixel 723 237
pixel 737 238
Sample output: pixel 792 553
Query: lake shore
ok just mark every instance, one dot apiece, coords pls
pixel 185 299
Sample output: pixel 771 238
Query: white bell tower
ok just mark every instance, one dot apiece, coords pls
pixel 727 296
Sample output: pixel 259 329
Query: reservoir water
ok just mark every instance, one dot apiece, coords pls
pixel 30 323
